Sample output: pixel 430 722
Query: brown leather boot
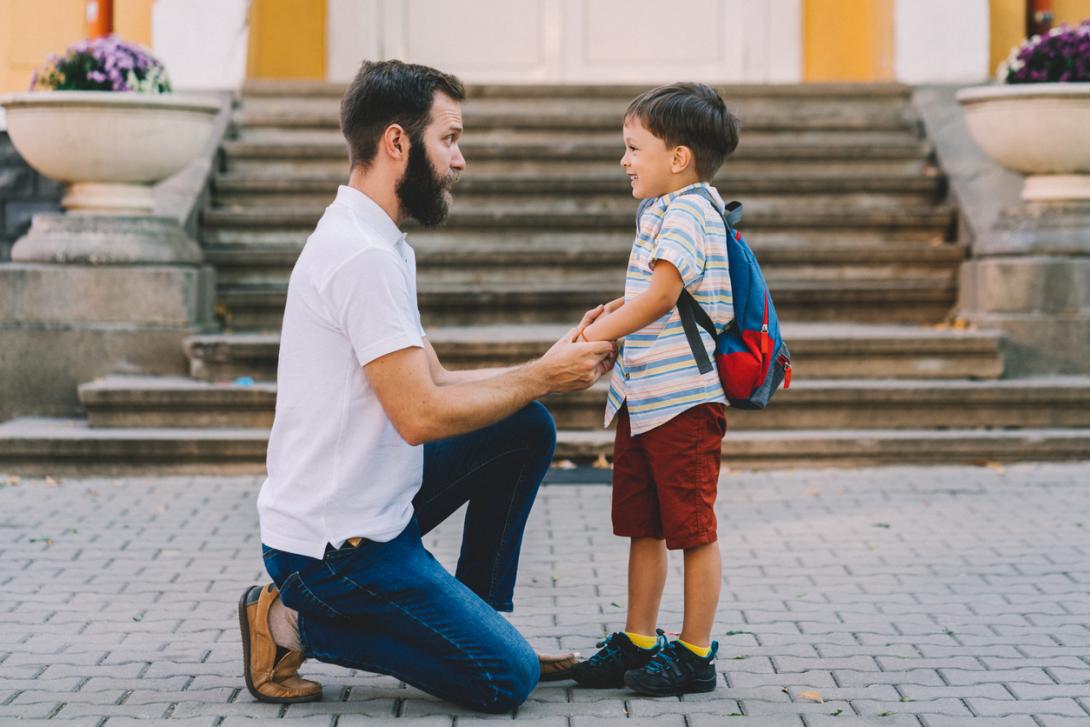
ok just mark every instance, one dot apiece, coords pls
pixel 271 671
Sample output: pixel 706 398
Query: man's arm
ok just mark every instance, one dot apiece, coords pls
pixel 423 411
pixel 445 377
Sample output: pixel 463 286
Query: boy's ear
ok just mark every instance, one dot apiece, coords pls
pixel 682 159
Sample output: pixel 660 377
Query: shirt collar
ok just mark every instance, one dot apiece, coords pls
pixel 665 200
pixel 368 212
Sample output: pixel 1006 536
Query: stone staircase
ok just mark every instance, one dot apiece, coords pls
pixel 844 207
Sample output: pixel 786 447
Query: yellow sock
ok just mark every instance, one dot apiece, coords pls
pixel 701 651
pixel 644 642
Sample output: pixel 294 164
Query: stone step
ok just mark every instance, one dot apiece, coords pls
pixel 910 163
pixel 813 114
pixel 803 114
pixel 854 92
pixel 826 351
pixel 133 401
pixel 511 147
pixel 35 447
pixel 482 262
pixel 928 221
pixel 866 448
pixel 607 181
pixel 902 301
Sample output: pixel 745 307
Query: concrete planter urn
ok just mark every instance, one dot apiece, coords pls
pixel 110 147
pixel 1038 129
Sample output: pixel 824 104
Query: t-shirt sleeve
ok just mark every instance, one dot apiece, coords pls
pixel 369 298
pixel 680 241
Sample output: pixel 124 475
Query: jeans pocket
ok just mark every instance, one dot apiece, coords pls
pixel 295 594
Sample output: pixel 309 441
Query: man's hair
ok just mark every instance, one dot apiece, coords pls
pixel 390 92
pixel 692 115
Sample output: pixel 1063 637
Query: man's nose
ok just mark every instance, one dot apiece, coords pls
pixel 458 161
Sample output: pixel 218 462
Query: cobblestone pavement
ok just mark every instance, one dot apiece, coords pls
pixel 931 597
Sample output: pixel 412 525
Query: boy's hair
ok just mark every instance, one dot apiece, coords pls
pixel 692 115
pixel 390 92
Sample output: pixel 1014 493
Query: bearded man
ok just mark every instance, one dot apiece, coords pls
pixel 375 443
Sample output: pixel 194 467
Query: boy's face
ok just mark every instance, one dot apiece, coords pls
pixel 650 166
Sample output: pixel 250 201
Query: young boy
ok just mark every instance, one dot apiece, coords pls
pixel 670 417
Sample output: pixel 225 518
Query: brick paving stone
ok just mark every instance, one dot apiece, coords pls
pixel 1018 720
pixel 964 602
pixel 1059 705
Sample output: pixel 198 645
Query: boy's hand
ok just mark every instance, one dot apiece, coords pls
pixel 571 364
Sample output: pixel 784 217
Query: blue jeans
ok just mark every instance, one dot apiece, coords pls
pixel 391 608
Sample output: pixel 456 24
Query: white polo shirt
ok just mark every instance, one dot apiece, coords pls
pixel 337 466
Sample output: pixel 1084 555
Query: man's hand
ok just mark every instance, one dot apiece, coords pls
pixel 572 365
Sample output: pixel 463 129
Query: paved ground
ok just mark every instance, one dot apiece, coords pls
pixel 926 597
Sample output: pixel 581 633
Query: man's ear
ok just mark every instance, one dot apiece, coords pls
pixel 682 159
pixel 395 142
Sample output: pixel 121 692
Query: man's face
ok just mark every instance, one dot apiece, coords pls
pixel 435 162
pixel 646 161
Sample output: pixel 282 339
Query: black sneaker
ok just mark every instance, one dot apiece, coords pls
pixel 673 671
pixel 616 655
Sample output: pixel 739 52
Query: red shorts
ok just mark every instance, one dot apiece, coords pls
pixel 665 480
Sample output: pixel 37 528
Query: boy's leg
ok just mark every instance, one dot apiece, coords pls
pixel 684 455
pixel 391 608
pixel 497 470
pixel 703 578
pixel 635 516
pixel 646 581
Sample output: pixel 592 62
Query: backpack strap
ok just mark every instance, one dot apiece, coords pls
pixel 691 312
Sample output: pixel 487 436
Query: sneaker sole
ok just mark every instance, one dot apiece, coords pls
pixel 244 625
pixel 700 686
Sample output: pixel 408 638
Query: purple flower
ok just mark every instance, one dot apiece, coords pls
pixel 103 64
pixel 1061 56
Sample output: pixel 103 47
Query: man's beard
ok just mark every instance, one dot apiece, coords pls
pixel 422 193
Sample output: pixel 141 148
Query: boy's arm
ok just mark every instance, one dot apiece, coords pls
pixel 641 311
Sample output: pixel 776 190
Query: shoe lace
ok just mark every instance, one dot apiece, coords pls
pixel 610 649
pixel 665 662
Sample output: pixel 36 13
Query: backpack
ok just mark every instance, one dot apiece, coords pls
pixel 750 354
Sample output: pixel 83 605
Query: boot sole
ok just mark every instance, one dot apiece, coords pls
pixel 244 625
pixel 697 687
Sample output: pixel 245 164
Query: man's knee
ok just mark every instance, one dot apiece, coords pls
pixel 503 692
pixel 537 425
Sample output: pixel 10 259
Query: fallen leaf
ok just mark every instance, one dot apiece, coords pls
pixel 50 482
pixel 813 696
pixel 614 604
pixel 602 463
pixel 882 525
pixel 13 480
pixel 564 464
pixel 837 713
pixel 995 467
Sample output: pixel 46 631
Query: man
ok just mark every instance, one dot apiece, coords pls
pixel 374 442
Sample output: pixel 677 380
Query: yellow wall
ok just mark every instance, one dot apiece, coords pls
pixel 132 21
pixel 1008 23
pixel 26 39
pixel 287 39
pixel 32 29
pixel 847 40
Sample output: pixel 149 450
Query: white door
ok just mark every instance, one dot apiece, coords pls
pixel 574 41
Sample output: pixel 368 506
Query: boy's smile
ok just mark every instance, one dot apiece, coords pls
pixel 652 169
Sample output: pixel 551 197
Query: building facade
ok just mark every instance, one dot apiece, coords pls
pixel 219 43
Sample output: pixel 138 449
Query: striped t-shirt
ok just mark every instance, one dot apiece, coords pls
pixel 656 372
